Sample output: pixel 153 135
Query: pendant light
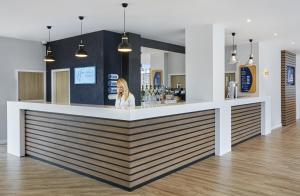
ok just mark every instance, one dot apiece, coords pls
pixel 124 46
pixel 49 53
pixel 251 57
pixel 233 57
pixel 81 53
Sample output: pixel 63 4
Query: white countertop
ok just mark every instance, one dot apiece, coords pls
pixel 139 112
pixel 16 127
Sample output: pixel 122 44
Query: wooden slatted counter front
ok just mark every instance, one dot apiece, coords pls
pixel 245 122
pixel 128 154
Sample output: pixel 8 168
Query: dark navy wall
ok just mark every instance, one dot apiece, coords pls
pixel 102 50
pixel 149 43
pixel 64 51
pixel 112 60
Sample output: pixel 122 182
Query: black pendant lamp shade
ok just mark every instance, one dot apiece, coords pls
pixel 124 46
pixel 233 57
pixel 81 52
pixel 251 57
pixel 49 53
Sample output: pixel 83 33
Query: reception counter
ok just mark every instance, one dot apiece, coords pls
pixel 131 147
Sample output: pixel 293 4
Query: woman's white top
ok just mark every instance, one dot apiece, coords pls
pixel 122 103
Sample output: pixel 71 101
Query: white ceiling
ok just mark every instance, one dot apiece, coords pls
pixel 163 20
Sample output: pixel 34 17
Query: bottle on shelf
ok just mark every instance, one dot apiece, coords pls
pixel 146 94
pixel 143 94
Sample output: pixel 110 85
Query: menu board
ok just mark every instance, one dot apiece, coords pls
pixel 248 79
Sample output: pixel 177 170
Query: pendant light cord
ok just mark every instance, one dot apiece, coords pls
pixel 49 29
pixel 81 31
pixel 232 42
pixel 124 21
pixel 81 23
pixel 251 47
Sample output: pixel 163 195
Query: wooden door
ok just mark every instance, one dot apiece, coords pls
pixel 30 86
pixel 62 82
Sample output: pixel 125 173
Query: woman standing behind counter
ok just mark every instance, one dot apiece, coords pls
pixel 124 98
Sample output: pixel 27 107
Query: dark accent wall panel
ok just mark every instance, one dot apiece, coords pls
pixel 162 45
pixel 102 50
pixel 132 67
pixel 125 153
pixel 288 92
pixel 112 60
pixel 64 51
pixel 245 122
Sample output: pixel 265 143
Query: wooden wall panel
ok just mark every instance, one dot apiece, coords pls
pixel 30 86
pixel 62 86
pixel 124 153
pixel 288 92
pixel 245 122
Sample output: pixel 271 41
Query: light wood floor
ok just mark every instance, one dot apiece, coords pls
pixel 261 166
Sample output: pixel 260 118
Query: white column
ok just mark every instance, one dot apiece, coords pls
pixel 266 116
pixel 205 62
pixel 15 130
pixel 223 130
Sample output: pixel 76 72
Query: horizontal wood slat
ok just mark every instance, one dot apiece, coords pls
pixel 124 153
pixel 245 122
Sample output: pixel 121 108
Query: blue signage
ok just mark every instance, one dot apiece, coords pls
pixel 248 80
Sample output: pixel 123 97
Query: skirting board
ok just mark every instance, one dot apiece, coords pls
pixel 277 126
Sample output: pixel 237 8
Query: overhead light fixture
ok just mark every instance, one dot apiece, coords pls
pixel 251 57
pixel 275 34
pixel 233 57
pixel 293 43
pixel 49 53
pixel 124 46
pixel 81 53
pixel 249 20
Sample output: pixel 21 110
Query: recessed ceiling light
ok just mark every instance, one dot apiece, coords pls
pixel 293 43
pixel 275 34
pixel 249 20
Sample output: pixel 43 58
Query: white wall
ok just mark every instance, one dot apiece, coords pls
pixel 267 56
pixel 270 59
pixel 176 63
pixel 298 86
pixel 243 52
pixel 145 59
pixel 169 62
pixel 157 61
pixel 15 55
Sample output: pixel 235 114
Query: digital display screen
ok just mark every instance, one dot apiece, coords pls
pixel 290 75
pixel 85 75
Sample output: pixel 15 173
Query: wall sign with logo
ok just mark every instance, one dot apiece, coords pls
pixel 248 79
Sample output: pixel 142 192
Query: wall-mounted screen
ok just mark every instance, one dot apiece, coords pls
pixel 290 75
pixel 85 75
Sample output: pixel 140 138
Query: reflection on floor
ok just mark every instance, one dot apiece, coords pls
pixel 261 166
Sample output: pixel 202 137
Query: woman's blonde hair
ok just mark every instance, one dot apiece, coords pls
pixel 122 82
